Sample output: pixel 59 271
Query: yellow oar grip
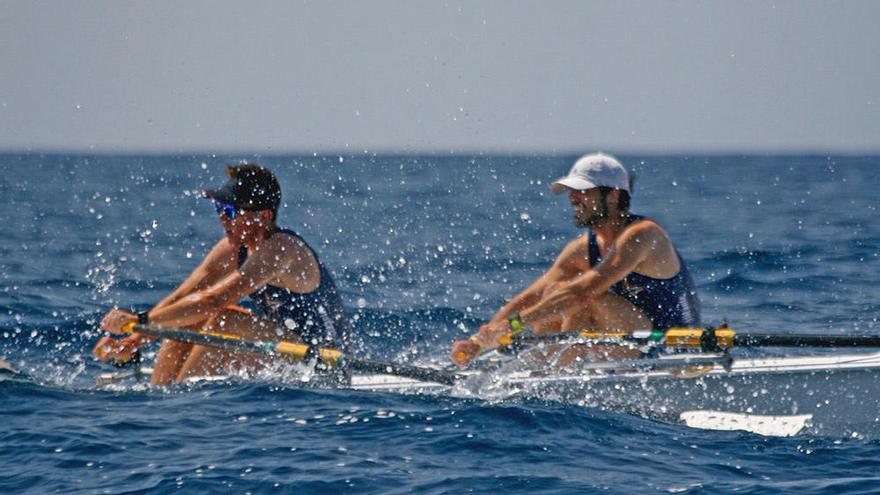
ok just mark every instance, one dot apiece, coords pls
pixel 129 327
pixel 462 356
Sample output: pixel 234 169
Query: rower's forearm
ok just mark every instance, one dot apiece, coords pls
pixel 185 289
pixel 515 305
pixel 187 311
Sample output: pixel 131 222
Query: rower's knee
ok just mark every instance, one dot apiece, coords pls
pixel 244 324
pixel 613 312
pixel 608 312
pixel 203 361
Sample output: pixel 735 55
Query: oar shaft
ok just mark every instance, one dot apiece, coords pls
pixel 706 340
pixel 219 341
pixel 235 343
pixel 329 357
pixel 803 340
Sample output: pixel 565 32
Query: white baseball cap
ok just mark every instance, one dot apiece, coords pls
pixel 594 170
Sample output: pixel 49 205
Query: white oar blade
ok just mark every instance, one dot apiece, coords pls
pixel 771 426
pixel 6 367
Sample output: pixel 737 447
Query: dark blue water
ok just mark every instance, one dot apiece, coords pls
pixel 423 248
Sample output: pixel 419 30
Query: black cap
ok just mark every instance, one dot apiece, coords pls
pixel 250 187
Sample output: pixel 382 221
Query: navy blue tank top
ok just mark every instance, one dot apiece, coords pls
pixel 318 317
pixel 669 303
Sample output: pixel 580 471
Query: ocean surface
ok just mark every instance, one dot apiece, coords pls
pixel 424 248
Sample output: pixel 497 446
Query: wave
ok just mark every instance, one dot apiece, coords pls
pixel 763 260
pixel 738 283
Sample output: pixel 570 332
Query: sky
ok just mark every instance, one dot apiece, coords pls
pixel 440 76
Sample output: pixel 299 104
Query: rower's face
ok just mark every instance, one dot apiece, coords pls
pixel 243 227
pixel 589 207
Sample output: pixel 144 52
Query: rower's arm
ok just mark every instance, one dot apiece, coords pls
pixel 271 259
pixel 218 263
pixel 565 267
pixel 633 247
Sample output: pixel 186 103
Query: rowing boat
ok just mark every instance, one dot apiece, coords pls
pixel 834 394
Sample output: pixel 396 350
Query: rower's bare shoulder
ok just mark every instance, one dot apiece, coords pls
pixel 222 247
pixel 221 256
pixel 646 232
pixel 294 262
pixel 576 247
pixel 648 241
pixel 289 247
pixel 575 254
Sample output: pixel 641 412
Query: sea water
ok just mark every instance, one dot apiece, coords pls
pixel 424 249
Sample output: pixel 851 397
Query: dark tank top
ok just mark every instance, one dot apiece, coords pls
pixel 318 317
pixel 669 303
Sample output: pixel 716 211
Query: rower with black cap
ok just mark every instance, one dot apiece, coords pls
pixel 294 292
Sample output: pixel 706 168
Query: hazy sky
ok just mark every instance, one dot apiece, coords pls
pixel 412 76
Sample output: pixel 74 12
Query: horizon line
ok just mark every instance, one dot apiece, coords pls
pixel 461 151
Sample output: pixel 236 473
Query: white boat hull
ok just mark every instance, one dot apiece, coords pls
pixel 831 395
pixel 838 395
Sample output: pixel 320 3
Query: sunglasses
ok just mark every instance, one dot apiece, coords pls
pixel 227 210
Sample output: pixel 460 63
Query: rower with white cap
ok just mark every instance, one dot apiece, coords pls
pixel 623 274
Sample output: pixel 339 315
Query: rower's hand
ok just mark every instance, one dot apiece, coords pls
pixel 465 351
pixel 120 351
pixel 115 320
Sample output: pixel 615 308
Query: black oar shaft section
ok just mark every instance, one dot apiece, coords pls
pixel 803 340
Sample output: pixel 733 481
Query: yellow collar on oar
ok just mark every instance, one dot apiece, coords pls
pixel 329 357
pixel 693 337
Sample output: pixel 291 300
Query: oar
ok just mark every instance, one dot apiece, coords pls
pixel 298 352
pixel 804 340
pixel 710 340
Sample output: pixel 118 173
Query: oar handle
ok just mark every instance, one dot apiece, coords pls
pixel 505 340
